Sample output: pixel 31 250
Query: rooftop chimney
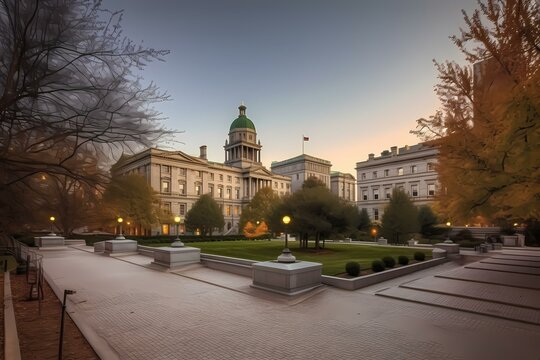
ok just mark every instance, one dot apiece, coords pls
pixel 393 149
pixel 203 152
pixel 371 156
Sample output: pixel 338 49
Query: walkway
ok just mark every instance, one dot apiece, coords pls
pixel 130 311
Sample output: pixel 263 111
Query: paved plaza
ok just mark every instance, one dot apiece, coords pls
pixel 129 309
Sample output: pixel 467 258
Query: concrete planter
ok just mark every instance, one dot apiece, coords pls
pixel 287 278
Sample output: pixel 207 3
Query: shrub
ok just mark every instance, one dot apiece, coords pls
pixel 464 234
pixel 377 266
pixel 352 268
pixel 403 260
pixel 389 261
pixel 419 256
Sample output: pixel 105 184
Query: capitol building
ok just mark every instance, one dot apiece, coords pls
pixel 179 178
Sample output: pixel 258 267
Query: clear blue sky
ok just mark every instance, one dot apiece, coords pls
pixel 352 75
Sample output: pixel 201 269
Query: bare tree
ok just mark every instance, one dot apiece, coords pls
pixel 69 91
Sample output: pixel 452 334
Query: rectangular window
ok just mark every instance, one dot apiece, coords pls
pixel 413 169
pixel 282 185
pixel 387 193
pixel 182 209
pixel 364 194
pixel 220 192
pixel 167 207
pixel 375 214
pixel 374 174
pixel 414 190
pixel 386 172
pixel 211 176
pixel 182 188
pixel 220 177
pixel 165 186
pixel 297 176
pixel 376 194
pixel 400 171
pixel 363 176
pixel 165 229
pixel 182 171
pixel 431 189
pixel 166 169
pixel 275 185
pixel 211 190
pixel 237 193
pixel 199 173
pixel 228 210
pixel 236 210
pixel 197 189
pixel 229 178
pixel 430 167
pixel 237 180
pixel 229 193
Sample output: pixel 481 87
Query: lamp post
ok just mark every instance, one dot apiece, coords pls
pixel 52 219
pixel 448 241
pixel 177 242
pixel 374 233
pixel 66 293
pixel 286 256
pixel 120 236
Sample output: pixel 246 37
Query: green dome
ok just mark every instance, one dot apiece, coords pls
pixel 242 121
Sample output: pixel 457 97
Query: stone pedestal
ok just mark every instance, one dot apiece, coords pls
pixel 49 241
pixel 382 241
pixel 120 247
pixel 287 278
pixel 438 253
pixel 173 257
pixel 450 247
pixel 99 246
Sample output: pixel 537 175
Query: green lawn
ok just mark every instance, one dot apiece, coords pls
pixel 333 257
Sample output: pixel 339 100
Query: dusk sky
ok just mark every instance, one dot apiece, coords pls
pixel 353 76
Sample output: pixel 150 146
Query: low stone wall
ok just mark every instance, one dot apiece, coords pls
pixel 363 281
pixel 228 264
pixel 146 250
pixel 12 350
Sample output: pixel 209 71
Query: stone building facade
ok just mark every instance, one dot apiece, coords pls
pixel 302 167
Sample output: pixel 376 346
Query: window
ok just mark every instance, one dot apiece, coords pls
pixel 386 172
pixel 275 185
pixel 375 214
pixel 430 167
pixel 413 169
pixel 431 189
pixel 364 194
pixel 237 180
pixel 165 229
pixel 182 188
pixel 387 193
pixel 165 169
pixel 220 192
pixel 414 190
pixel 199 173
pixel 182 171
pixel 400 171
pixel 282 186
pixel 197 189
pixel 228 210
pixel 220 177
pixel 297 176
pixel 236 210
pixel 229 178
pixel 165 186
pixel 182 209
pixel 363 176
pixel 237 193
pixel 211 190
pixel 211 176
pixel 167 207
pixel 374 174
pixel 229 193
pixel 376 194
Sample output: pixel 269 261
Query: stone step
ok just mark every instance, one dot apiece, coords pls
pixel 505 268
pixel 533 264
pixel 517 257
pixel 494 277
pixel 503 311
pixel 527 298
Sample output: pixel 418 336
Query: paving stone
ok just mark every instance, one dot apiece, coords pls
pixel 494 277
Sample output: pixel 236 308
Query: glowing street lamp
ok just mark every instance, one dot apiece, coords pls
pixel 52 219
pixel 374 233
pixel 448 241
pixel 120 236
pixel 177 242
pixel 286 255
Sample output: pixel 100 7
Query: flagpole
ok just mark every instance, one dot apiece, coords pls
pixel 303 144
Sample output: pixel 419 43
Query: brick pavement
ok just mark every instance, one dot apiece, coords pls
pixel 134 312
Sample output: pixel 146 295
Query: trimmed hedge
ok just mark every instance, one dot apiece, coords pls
pixel 353 268
pixel 403 260
pixel 389 261
pixel 377 266
pixel 419 256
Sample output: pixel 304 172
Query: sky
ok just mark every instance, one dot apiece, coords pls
pixel 352 75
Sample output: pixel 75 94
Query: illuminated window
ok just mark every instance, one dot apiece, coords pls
pixel 182 188
pixel 400 171
pixel 220 192
pixel 197 189
pixel 165 186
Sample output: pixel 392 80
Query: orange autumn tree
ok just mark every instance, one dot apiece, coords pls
pixel 488 129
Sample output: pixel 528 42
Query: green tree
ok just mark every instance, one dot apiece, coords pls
pixel 315 212
pixel 260 207
pixel 205 215
pixel 427 220
pixel 364 222
pixel 487 131
pixel 400 217
pixel 132 198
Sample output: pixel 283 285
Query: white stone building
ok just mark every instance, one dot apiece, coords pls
pixel 410 168
pixel 343 185
pixel 302 167
pixel 179 178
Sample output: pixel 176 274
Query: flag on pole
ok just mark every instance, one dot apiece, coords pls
pixel 306 138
